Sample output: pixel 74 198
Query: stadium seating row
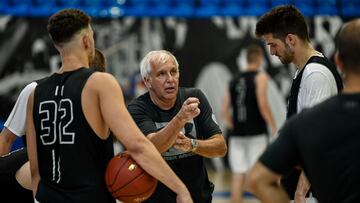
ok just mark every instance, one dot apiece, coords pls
pixel 178 8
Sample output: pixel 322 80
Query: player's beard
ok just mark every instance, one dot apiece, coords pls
pixel 288 55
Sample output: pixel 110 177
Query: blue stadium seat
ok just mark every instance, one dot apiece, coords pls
pixel 326 7
pixel 233 8
pixel 275 3
pixel 68 3
pixel 208 8
pixel 160 8
pixel 16 7
pixel 350 8
pixel 92 3
pixel 256 7
pixel 307 7
pixel 137 8
pixel 42 8
pixel 183 8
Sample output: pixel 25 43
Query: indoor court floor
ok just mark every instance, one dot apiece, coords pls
pixel 222 181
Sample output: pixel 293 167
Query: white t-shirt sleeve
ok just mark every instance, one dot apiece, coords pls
pixel 16 121
pixel 317 84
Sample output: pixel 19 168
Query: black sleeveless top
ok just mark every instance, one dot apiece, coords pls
pixel 247 118
pixel 295 87
pixel 72 158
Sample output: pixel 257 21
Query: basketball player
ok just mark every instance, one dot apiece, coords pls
pixel 251 114
pixel 180 123
pixel 323 140
pixel 68 120
pixel 284 29
pixel 15 177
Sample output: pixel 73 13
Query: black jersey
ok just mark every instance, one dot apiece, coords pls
pixel 72 158
pixel 325 141
pixel 187 165
pixel 247 118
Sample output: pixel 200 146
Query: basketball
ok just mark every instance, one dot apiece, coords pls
pixel 127 181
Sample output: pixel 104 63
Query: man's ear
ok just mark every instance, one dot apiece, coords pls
pixel 147 82
pixel 86 41
pixel 291 40
pixel 339 62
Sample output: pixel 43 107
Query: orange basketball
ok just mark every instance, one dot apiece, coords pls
pixel 127 181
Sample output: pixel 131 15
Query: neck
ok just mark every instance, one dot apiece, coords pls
pixel 303 54
pixel 73 60
pixel 352 83
pixel 252 67
pixel 162 104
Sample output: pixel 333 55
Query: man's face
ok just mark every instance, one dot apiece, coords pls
pixel 164 80
pixel 279 49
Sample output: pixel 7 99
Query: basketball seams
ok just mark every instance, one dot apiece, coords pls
pixel 118 171
pixel 129 182
pixel 151 187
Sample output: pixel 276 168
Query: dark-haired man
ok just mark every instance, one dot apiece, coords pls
pixel 323 140
pixel 284 29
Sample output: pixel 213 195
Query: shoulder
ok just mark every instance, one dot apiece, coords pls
pixel 30 87
pixel 190 91
pixel 100 79
pixel 140 102
pixel 261 76
pixel 312 68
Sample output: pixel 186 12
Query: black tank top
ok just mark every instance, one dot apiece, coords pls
pixel 72 158
pixel 247 119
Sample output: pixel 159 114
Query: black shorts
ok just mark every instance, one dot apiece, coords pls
pixel 10 190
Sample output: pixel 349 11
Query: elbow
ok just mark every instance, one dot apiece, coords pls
pixel 224 150
pixel 137 145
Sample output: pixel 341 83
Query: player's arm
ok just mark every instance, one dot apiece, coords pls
pixel 31 145
pixel 7 138
pixel 261 81
pixel 225 110
pixel 264 183
pixel 15 123
pixel 115 114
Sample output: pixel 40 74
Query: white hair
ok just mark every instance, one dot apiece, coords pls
pixel 158 57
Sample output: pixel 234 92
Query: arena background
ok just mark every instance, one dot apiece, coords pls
pixel 209 50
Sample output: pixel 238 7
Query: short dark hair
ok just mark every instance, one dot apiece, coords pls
pixel 63 25
pixel 252 52
pixel 281 21
pixel 348 43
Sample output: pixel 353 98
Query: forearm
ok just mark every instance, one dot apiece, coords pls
pixel 166 137
pixel 151 161
pixel 268 117
pixel 212 147
pixel 7 138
